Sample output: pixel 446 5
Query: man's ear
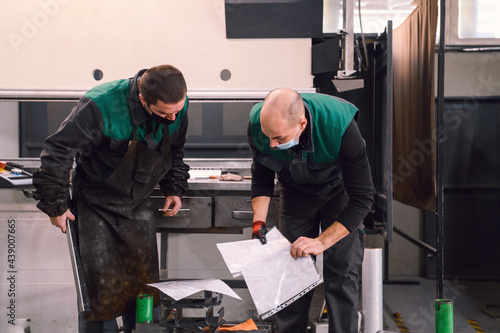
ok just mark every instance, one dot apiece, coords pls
pixel 302 124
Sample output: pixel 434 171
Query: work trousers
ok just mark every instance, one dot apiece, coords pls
pixel 302 215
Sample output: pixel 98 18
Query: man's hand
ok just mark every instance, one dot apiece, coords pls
pixel 60 221
pixel 304 246
pixel 172 205
pixel 259 231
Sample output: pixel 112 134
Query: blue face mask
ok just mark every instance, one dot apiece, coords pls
pixel 289 144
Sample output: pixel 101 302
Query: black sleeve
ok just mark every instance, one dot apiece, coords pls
pixel 52 191
pixel 175 181
pixel 357 177
pixel 262 177
pixel 78 133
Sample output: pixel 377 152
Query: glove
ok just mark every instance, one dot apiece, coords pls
pixel 259 231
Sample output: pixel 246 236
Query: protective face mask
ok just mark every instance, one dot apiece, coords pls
pixel 157 118
pixel 161 120
pixel 289 144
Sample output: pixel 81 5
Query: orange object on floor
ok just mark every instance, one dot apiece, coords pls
pixel 248 325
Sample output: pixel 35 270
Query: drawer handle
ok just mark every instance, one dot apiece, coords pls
pixel 180 213
pixel 242 214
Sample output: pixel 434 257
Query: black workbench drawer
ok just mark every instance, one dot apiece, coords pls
pixel 237 212
pixel 196 212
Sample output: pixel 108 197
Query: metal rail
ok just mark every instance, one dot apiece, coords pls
pixel 426 247
pixel 440 225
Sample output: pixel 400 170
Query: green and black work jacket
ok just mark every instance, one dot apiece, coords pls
pixel 330 157
pixel 97 134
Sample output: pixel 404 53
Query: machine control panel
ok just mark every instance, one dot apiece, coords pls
pixel 12 175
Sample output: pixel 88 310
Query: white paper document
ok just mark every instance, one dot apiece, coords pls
pixel 274 278
pixel 241 253
pixel 184 288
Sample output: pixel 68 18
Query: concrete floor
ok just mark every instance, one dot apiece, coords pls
pixel 414 301
pixel 416 305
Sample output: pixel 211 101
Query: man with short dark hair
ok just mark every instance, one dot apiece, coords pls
pixel 313 145
pixel 127 136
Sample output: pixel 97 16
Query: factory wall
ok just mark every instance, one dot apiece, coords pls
pixel 471 167
pixel 472 76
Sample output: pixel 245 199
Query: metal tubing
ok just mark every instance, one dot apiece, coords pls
pixel 83 300
pixel 349 37
pixel 426 247
pixel 198 94
pixel 440 157
pixel 386 261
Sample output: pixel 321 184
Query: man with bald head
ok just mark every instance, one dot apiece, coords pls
pixel 312 144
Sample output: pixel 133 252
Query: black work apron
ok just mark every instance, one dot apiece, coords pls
pixel 117 236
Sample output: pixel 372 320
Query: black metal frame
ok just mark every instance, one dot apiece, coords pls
pixel 438 252
pixel 440 157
